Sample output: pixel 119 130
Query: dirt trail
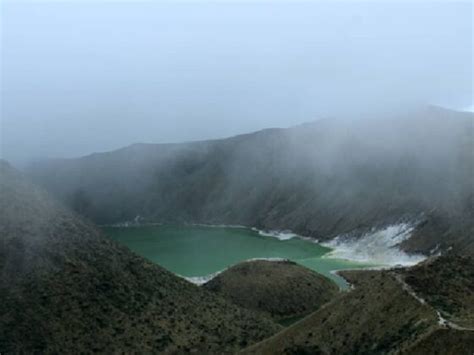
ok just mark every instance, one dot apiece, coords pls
pixel 441 320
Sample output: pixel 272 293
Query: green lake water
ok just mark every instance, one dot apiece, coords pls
pixel 194 251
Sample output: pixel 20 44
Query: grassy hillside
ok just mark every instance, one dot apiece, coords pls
pixel 64 288
pixel 383 315
pixel 448 284
pixel 280 289
pixel 320 179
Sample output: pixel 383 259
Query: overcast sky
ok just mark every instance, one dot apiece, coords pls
pixel 81 77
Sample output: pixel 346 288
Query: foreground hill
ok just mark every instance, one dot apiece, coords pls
pixel 386 314
pixel 64 288
pixel 280 289
pixel 447 284
pixel 321 179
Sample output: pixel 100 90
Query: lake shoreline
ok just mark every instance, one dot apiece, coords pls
pixel 330 253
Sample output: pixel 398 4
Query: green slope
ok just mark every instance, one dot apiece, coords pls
pixel 65 288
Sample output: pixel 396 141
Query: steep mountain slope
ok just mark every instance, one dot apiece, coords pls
pixel 64 288
pixel 447 284
pixel 320 179
pixel 385 314
pixel 281 289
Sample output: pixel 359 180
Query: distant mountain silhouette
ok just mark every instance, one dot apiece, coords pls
pixel 319 179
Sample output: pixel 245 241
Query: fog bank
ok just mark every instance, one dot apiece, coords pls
pixel 95 76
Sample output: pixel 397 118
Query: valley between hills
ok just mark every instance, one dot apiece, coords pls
pixel 68 287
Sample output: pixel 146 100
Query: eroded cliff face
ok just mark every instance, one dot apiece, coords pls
pixel 322 179
pixel 66 288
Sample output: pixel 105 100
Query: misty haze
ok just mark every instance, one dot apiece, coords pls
pixel 259 177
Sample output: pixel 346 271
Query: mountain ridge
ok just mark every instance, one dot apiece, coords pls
pixel 320 179
pixel 396 311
